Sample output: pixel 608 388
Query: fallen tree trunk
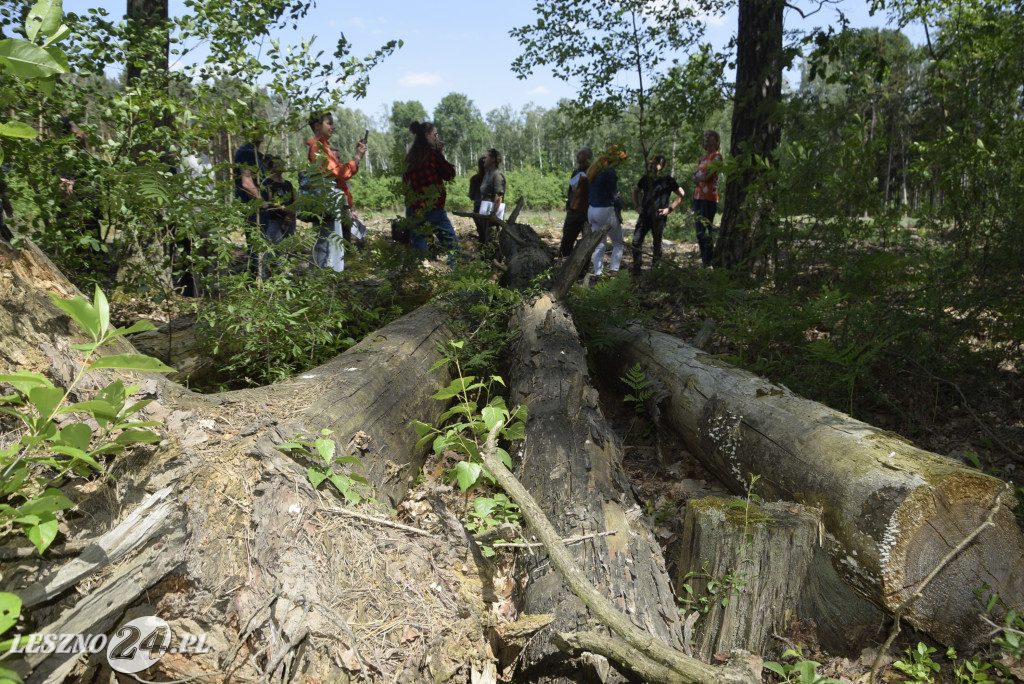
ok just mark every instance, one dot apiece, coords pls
pixel 246 552
pixel 891 511
pixel 636 648
pixel 571 464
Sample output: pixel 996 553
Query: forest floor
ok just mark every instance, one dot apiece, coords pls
pixel 665 475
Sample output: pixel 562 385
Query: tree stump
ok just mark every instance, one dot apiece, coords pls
pixel 748 567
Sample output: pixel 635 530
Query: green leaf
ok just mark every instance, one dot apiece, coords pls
pixel 138 362
pixel 60 34
pixel 81 312
pixel 94 406
pixel 492 415
pixel 483 506
pixel 505 458
pixel 467 474
pixel 341 482
pixel 315 476
pixel 48 502
pixel 806 669
pixel 137 436
pixel 26 60
pixel 325 447
pixel 420 443
pixel 46 400
pixel 421 428
pixel 43 533
pixel 141 326
pixel 16 129
pixel 10 609
pixel 24 381
pixel 102 310
pixel 76 435
pixel 515 431
pixel 774 667
pixel 44 18
pixel 348 459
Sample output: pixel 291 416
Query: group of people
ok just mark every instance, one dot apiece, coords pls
pixel 594 199
pixel 324 197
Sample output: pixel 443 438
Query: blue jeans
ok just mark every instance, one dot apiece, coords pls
pixel 443 229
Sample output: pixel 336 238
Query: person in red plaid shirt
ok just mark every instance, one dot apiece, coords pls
pixel 426 171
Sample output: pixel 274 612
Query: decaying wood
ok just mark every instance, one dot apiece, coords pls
pixel 177 344
pixel 251 542
pixel 570 268
pixel 571 463
pixel 97 612
pixel 142 525
pixel 891 510
pixel 526 256
pixel 761 558
pixel 642 646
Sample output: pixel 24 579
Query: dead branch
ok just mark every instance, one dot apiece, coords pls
pixel 565 275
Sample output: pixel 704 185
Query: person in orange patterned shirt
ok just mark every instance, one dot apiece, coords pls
pixel 705 195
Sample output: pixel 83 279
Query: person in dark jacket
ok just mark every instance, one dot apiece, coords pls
pixel 426 171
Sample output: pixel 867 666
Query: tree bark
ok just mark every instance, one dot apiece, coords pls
pixel 891 511
pixel 762 561
pixel 244 550
pixel 756 131
pixel 571 464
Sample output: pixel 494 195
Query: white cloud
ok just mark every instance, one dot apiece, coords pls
pixel 411 79
pixel 539 90
pixel 358 22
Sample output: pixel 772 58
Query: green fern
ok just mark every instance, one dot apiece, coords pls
pixel 641 388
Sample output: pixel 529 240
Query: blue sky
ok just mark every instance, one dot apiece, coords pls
pixel 458 46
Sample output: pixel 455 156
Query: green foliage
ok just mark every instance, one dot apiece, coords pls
pixel 50 444
pixel 713 590
pixel 636 380
pixel 267 330
pixel 919 665
pixel 10 609
pixel 35 62
pixel 353 487
pixel 468 422
pixel 599 46
pixel 610 303
pixel 479 310
pixel 489 512
pixel 799 671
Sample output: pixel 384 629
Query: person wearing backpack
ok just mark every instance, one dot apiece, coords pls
pixel 335 209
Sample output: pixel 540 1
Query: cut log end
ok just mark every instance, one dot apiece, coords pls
pixel 925 529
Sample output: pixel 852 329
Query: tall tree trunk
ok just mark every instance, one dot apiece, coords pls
pixel 150 42
pixel 749 201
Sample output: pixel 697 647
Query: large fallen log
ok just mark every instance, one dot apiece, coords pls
pixel 252 556
pixel 892 511
pixel 571 464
